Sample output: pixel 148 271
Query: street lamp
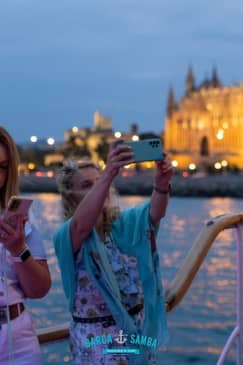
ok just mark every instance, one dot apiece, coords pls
pixel 117 134
pixel 192 166
pixel 174 163
pixel 224 163
pixel 33 139
pixel 50 141
pixel 135 137
pixel 217 165
pixel 31 165
pixel 75 129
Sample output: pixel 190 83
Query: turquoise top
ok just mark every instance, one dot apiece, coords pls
pixel 131 232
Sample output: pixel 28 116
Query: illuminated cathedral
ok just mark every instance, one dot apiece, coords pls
pixel 206 125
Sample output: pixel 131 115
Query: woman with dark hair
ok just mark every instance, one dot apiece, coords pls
pixel 109 264
pixel 23 268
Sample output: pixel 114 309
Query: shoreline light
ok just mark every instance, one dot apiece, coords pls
pixel 217 165
pixel 31 166
pixel 50 141
pixel 135 137
pixel 33 139
pixel 174 163
pixel 117 134
pixel 192 166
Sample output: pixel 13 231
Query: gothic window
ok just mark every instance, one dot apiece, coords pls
pixel 204 148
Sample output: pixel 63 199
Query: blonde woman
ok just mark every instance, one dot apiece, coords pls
pixel 109 264
pixel 23 269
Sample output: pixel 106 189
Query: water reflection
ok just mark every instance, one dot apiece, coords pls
pixel 220 206
pixel 200 325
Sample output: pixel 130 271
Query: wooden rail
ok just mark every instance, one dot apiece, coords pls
pixel 54 333
pixel 194 259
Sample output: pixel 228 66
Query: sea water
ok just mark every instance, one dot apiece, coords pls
pixel 201 323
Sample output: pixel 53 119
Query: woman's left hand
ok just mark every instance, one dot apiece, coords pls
pixel 13 235
pixel 164 171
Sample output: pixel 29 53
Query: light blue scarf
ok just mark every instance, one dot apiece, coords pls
pixel 131 232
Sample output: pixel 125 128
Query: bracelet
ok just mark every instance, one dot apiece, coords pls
pixel 23 255
pixel 164 191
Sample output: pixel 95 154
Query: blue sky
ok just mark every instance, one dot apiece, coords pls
pixel 61 60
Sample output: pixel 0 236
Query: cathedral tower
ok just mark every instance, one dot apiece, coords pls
pixel 190 81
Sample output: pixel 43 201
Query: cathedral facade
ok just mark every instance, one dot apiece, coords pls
pixel 206 126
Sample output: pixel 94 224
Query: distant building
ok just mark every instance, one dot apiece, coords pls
pixel 101 123
pixel 91 140
pixel 53 158
pixel 206 125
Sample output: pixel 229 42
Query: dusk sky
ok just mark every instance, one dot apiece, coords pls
pixel 61 60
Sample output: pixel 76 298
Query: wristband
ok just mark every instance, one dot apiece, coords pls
pixel 23 256
pixel 162 191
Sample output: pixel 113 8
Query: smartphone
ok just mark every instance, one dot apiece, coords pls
pixel 146 149
pixel 18 205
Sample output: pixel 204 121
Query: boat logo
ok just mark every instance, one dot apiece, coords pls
pixel 121 339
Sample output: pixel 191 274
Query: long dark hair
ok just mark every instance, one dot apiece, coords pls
pixel 10 186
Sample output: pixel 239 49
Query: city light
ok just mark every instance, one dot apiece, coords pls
pixel 50 173
pixel 174 163
pixel 185 174
pixel 50 141
pixel 192 166
pixel 135 137
pixel 101 164
pixel 220 134
pixel 148 164
pixel 217 165
pixel 117 134
pixel 75 129
pixel 224 163
pixel 200 125
pixel 33 139
pixel 31 166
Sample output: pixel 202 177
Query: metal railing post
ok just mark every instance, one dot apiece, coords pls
pixel 239 294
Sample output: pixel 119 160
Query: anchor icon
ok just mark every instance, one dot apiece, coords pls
pixel 121 339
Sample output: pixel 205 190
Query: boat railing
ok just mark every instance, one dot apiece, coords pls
pixel 184 277
pixel 54 333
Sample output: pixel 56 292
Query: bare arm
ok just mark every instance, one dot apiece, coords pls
pixel 159 199
pixel 88 210
pixel 34 277
pixel 90 207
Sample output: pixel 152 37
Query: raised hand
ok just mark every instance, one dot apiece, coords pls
pixel 119 155
pixel 164 171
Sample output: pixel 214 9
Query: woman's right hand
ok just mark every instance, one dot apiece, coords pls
pixel 119 155
pixel 12 233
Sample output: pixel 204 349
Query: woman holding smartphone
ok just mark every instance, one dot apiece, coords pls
pixel 23 268
pixel 109 263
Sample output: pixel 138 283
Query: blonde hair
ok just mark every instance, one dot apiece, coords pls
pixel 70 201
pixel 10 186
